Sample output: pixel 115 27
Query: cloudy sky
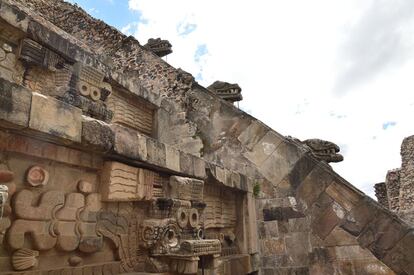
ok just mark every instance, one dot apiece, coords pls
pixel 340 70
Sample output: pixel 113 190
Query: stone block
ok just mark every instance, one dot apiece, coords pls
pixel 281 213
pixel 228 182
pixel 56 118
pixel 371 266
pixel 382 233
pixel 235 180
pixel 273 261
pixel 298 248
pixel 400 258
pixel 356 220
pixel 280 162
pixel 185 189
pixel 348 197
pixel 326 215
pixel 299 225
pixel 351 252
pixel 253 133
pixel 121 182
pixel 186 163
pixel 97 135
pixel 244 183
pixel 172 158
pixel 300 170
pixel 252 245
pixel 270 229
pixel 129 143
pixel 199 167
pixel 142 146
pixel 313 186
pixel 338 236
pixel 274 246
pixel 15 104
pixel 156 152
pixel 264 148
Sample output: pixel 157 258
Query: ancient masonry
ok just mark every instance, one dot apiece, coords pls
pixel 397 192
pixel 114 162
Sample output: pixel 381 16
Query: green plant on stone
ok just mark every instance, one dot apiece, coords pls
pixel 256 189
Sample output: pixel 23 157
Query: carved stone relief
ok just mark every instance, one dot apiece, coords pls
pixel 65 222
pixel 159 47
pixel 220 217
pixel 10 68
pixel 7 189
pixel 121 182
pixel 160 228
pixel 131 112
pixel 80 85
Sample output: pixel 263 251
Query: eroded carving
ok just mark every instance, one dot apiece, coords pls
pixel 159 46
pixel 76 84
pixel 3 198
pixel 7 189
pixel 67 223
pixel 227 91
pixel 24 259
pixel 131 112
pixel 90 81
pixel 220 217
pixel 324 150
pixel 185 189
pixel 120 225
pixel 10 68
pixel 37 176
pixel 35 54
pixel 121 182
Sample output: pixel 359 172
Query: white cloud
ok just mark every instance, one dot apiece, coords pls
pixel 290 57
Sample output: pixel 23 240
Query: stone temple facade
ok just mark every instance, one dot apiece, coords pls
pixel 397 192
pixel 114 162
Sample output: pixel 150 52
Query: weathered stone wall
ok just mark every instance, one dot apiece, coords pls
pixel 392 182
pixel 381 194
pixel 277 209
pixel 407 180
pixel 399 184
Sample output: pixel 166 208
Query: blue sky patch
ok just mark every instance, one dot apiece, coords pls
pixel 115 13
pixel 185 28
pixel 200 51
pixel 388 124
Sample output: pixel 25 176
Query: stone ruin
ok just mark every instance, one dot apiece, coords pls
pixel 114 162
pixel 397 192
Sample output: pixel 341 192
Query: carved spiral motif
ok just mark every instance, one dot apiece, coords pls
pixel 170 236
pixel 148 234
pixel 199 233
pixel 182 217
pixel 193 218
pixel 95 94
pixel 37 176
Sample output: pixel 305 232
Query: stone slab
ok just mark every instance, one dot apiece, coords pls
pixel 56 118
pixel 344 194
pixel 263 148
pixel 400 258
pixel 382 233
pixel 15 104
pixel 156 152
pixel 128 143
pixel 280 162
pixel 253 133
pixel 172 158
pixel 97 134
pixel 313 186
